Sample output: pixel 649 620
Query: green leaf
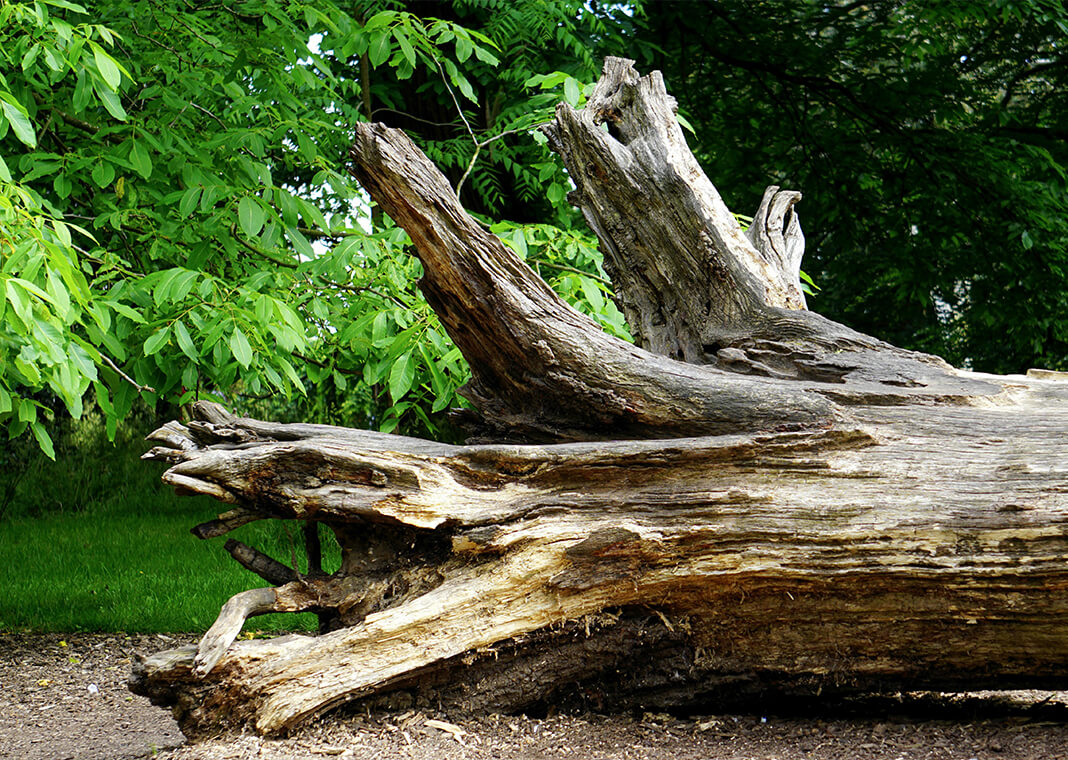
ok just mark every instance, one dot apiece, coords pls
pixel 405 46
pixel 62 185
pixel 464 48
pixel 5 400
pixel 141 161
pixel 28 370
pixel 519 241
pixel 379 50
pixel 572 91
pixel 27 411
pixel 60 296
pixel 126 311
pixel 82 361
pixel 30 287
pixel 382 18
pixel 103 173
pixel 83 91
pixel 241 348
pixel 401 376
pixel 19 119
pixel 300 243
pixel 156 341
pixel 107 67
pixel 251 216
pixel 31 56
pixel 486 56
pixel 182 285
pixel 380 333
pixel 162 285
pixel 807 280
pixel 264 309
pixel 189 201
pixel 110 101
pixel 43 440
pixel 592 293
pixel 68 6
pixel 294 378
pixel 185 340
pixel 62 232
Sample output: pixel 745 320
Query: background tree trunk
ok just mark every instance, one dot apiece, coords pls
pixel 854 516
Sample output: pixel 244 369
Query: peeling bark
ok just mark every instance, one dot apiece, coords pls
pixel 756 498
pixel 926 552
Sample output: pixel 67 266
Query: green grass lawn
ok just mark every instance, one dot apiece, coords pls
pixel 99 544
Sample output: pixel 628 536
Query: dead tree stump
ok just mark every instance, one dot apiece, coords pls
pixel 752 497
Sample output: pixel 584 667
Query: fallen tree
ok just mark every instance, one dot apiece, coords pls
pixel 750 498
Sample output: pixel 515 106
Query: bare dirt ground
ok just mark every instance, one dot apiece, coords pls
pixel 64 697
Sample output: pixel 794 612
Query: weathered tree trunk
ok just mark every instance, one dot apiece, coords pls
pixel 850 516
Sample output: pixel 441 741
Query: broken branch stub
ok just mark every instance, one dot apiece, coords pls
pixel 540 370
pixel 776 234
pixel 691 283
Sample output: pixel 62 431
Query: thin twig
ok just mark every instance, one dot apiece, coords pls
pixel 169 49
pixel 209 113
pixel 178 115
pixel 324 365
pixel 456 102
pixel 176 19
pixel 259 252
pixel 565 268
pixel 413 118
pixel 124 376
pixel 330 234
pixel 470 166
pixel 478 148
pixel 363 289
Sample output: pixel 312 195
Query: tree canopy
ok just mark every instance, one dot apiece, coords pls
pixel 176 221
pixel 930 141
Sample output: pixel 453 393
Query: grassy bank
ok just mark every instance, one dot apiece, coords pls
pixel 94 542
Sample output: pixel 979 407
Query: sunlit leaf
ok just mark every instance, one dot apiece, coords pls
pixel 240 346
pixel 401 376
pixel 19 119
pixel 105 64
pixel 250 216
pixel 43 440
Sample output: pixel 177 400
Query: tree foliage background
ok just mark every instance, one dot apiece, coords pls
pixel 176 220
pixel 930 141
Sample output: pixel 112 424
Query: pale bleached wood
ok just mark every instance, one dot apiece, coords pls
pixel 776 234
pixel 691 284
pixel 849 515
pixel 928 548
pixel 232 616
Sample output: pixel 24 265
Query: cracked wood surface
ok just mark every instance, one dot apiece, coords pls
pixel 691 284
pixel 757 498
pixel 920 550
